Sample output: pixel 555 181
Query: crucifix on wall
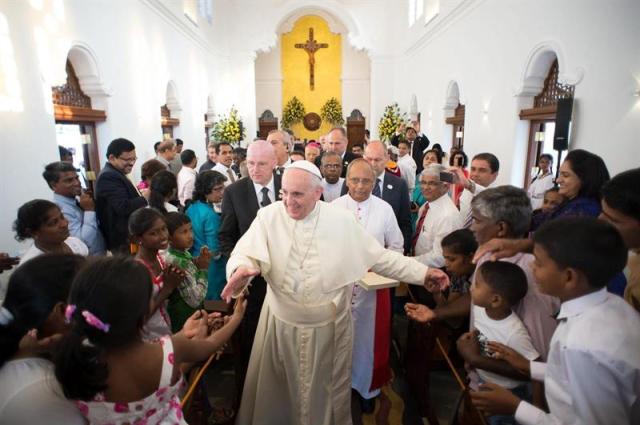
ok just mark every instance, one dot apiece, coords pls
pixel 311 47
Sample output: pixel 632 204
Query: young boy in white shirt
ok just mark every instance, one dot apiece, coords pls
pixel 499 286
pixel 592 374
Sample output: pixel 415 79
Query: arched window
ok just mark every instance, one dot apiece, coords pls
pixel 457 121
pixel 542 119
pixel 76 126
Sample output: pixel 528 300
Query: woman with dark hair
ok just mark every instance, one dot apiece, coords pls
pixel 31 319
pixel 542 181
pixel 582 175
pixel 148 170
pixel 438 148
pixel 43 222
pixel 163 189
pixel 204 212
pixel 458 159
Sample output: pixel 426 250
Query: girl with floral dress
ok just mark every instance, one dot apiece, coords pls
pixel 103 363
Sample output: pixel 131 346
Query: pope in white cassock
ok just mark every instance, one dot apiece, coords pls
pixel 310 253
pixel 371 310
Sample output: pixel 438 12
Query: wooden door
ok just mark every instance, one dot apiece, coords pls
pixel 266 123
pixel 355 129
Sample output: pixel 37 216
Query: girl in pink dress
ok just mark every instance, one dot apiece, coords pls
pixel 105 365
pixel 148 231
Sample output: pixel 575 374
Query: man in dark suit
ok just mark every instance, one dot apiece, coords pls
pixel 240 204
pixel 419 145
pixel 116 197
pixel 392 189
pixel 337 142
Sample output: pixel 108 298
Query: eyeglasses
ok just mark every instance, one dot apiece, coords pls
pixel 356 181
pixel 332 166
pixel 430 184
pixel 129 160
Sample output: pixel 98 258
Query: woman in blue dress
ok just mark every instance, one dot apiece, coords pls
pixel 204 212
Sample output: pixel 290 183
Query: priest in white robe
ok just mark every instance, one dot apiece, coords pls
pixel 370 309
pixel 310 253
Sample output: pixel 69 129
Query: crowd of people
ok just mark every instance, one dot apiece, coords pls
pixel 105 310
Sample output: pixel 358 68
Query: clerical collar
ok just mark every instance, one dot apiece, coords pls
pixel 365 202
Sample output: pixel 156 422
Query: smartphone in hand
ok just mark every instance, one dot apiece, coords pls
pixel 446 177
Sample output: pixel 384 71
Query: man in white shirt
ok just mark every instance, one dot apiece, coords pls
pixel 224 152
pixel 281 142
pixel 332 183
pixel 436 218
pixel 187 175
pixel 166 154
pixel 592 375
pixel 371 310
pixel 482 174
pixel 407 165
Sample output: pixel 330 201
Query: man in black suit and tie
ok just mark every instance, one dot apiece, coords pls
pixel 390 188
pixel 240 204
pixel 116 197
pixel 337 142
pixel 419 145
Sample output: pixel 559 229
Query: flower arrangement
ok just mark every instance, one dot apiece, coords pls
pixel 331 112
pixel 228 129
pixel 293 112
pixel 390 121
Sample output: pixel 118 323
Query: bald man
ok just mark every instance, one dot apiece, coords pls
pixel 240 204
pixel 390 188
pixel 337 142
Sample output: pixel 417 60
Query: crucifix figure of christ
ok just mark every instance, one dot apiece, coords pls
pixel 311 47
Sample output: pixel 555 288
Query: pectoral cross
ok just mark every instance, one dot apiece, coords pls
pixel 311 47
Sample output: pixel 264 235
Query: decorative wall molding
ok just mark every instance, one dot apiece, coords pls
pixel 440 23
pixel 86 66
pixel 537 66
pixel 172 100
pixel 183 26
pixel 335 26
pixel 452 97
pixel 339 20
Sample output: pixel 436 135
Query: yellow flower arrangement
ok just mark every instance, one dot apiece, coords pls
pixel 228 129
pixel 293 112
pixel 390 121
pixel 331 112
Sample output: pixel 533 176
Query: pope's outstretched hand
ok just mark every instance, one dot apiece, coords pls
pixel 237 282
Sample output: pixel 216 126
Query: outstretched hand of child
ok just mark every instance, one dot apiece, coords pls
pixel 240 307
pixel 419 312
pixel 203 260
pixel 200 323
pixel 492 399
pixel 511 356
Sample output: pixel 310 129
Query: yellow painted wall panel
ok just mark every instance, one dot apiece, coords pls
pixel 295 70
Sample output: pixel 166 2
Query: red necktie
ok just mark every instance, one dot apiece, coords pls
pixel 414 240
